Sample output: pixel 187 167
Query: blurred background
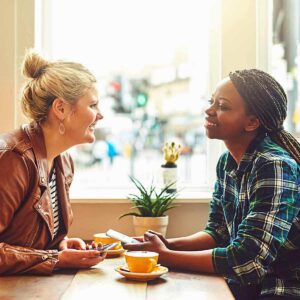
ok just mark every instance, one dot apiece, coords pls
pixel 152 61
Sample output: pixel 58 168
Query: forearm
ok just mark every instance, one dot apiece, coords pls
pixel 20 260
pixel 196 261
pixel 198 241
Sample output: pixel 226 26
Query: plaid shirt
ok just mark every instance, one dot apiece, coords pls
pixel 255 219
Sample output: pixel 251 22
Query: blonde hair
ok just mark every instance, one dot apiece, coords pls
pixel 49 80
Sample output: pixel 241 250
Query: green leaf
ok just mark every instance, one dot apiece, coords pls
pixel 130 214
pixel 148 202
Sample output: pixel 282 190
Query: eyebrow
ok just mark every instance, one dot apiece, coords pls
pixel 223 98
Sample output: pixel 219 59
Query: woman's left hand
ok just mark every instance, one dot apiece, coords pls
pixel 72 243
pixel 151 243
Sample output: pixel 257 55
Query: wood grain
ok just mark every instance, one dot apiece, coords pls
pixel 103 280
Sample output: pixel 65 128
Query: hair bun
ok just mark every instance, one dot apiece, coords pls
pixel 34 64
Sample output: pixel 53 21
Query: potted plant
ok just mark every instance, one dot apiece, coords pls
pixel 150 207
pixel 171 153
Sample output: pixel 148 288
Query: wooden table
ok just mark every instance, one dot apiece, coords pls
pixel 103 280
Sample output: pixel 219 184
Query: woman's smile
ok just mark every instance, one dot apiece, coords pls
pixel 209 124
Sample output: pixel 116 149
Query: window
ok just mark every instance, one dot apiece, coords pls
pixel 285 57
pixel 151 59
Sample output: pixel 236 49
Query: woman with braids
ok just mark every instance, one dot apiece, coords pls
pixel 35 213
pixel 252 236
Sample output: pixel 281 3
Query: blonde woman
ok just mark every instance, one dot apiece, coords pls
pixel 35 171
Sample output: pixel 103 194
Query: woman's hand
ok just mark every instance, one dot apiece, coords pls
pixel 79 259
pixel 152 242
pixel 72 243
pixel 162 238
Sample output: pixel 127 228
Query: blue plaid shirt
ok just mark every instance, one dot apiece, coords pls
pixel 255 219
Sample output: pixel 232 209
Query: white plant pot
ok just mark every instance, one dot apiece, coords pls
pixel 158 224
pixel 169 176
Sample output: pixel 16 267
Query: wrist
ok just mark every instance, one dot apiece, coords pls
pixel 51 256
pixel 171 244
pixel 58 262
pixel 164 256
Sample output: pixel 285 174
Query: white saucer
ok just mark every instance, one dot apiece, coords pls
pixel 157 272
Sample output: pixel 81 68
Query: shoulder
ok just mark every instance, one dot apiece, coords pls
pixel 15 140
pixel 16 150
pixel 272 161
pixel 270 153
pixel 14 167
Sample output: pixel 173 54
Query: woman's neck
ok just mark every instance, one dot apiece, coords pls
pixel 238 148
pixel 55 143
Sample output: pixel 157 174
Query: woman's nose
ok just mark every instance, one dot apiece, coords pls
pixel 210 110
pixel 99 116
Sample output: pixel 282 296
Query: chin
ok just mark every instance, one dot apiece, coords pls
pixel 89 139
pixel 210 135
pixel 213 136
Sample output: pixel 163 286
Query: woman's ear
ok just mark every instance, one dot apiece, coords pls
pixel 59 109
pixel 252 123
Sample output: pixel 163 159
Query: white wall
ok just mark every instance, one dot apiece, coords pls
pixel 16 34
pixel 95 218
pixel 238 37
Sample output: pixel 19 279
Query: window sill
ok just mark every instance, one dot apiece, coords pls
pixel 109 196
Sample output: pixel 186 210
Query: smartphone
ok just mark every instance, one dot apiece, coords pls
pixel 121 237
pixel 106 247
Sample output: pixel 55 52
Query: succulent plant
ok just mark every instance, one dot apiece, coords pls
pixel 171 152
pixel 150 203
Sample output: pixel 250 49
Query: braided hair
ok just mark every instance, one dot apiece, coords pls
pixel 265 98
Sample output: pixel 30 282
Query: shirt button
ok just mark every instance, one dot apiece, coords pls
pixel 44 257
pixel 43 180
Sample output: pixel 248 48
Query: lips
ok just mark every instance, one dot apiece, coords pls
pixel 210 124
pixel 93 126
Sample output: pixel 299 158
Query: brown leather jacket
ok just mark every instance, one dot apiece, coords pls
pixel 26 217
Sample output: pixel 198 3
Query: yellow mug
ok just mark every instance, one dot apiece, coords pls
pixel 141 261
pixel 105 239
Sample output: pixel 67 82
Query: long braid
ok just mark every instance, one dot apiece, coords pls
pixel 265 98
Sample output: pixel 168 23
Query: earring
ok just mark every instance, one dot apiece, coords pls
pixel 61 128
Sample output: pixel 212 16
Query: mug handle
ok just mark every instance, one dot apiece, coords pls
pixel 152 264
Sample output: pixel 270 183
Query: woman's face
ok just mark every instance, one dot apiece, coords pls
pixel 81 122
pixel 226 118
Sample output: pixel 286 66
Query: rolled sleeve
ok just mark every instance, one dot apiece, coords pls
pixel 220 261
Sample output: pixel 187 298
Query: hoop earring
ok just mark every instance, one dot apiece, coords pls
pixel 61 128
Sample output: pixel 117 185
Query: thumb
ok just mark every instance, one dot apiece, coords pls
pixel 63 245
pixel 148 236
pixel 81 244
pixel 89 253
pixel 135 247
